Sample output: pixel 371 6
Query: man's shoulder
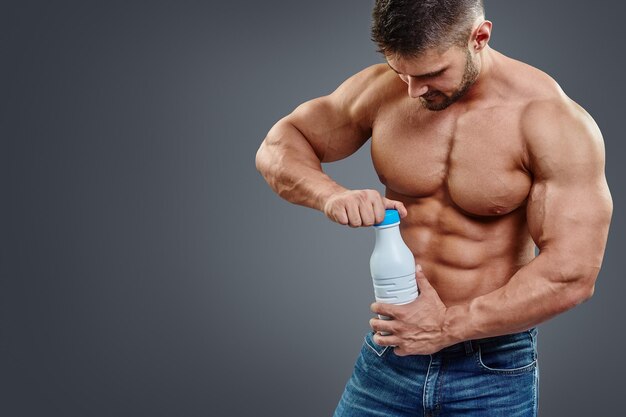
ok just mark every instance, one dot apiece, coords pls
pixel 557 128
pixel 366 91
pixel 555 116
pixel 529 84
pixel 375 82
pixel 543 103
pixel 376 72
pixel 551 122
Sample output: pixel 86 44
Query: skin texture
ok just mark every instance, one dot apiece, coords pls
pixel 479 178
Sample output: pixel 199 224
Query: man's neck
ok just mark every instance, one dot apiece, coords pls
pixel 481 88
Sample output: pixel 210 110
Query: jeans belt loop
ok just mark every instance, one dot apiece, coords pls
pixel 468 347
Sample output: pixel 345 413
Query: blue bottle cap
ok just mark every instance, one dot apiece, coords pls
pixel 391 216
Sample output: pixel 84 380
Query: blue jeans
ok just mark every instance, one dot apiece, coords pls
pixel 496 376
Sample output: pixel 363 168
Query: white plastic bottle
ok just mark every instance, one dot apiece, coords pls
pixel 392 264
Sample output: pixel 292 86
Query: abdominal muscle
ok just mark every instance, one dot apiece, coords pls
pixel 464 256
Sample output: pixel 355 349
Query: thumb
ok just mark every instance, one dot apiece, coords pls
pixel 398 205
pixel 422 282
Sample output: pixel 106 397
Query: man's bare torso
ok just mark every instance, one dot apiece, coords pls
pixel 463 173
pixel 509 161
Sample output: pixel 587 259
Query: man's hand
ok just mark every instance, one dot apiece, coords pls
pixel 416 328
pixel 357 208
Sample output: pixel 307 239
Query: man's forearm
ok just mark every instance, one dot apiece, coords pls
pixel 293 170
pixel 533 295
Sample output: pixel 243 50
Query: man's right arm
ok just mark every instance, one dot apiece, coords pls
pixel 326 129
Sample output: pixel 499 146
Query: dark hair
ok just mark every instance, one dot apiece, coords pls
pixel 409 27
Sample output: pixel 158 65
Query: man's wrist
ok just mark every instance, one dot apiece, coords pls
pixel 326 193
pixel 456 323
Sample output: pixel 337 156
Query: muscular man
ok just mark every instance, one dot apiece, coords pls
pixel 484 157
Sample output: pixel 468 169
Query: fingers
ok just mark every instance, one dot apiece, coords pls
pixel 340 216
pixel 337 210
pixel 378 325
pixel 379 210
pixel 368 217
pixel 354 215
pixel 398 205
pixel 398 351
pixel 362 213
pixel 361 207
pixel 357 208
pixel 383 309
pixel 422 282
pixel 390 340
pixel 368 199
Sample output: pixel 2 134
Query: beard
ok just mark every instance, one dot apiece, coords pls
pixel 437 101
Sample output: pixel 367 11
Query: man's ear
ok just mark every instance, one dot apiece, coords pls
pixel 481 35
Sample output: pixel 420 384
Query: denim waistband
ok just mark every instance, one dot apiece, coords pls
pixel 469 346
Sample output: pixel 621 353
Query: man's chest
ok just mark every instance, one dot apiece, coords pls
pixel 475 158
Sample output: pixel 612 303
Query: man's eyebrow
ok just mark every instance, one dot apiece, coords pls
pixel 428 75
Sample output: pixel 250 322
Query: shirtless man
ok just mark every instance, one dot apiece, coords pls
pixel 484 157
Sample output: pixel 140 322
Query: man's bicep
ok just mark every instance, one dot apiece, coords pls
pixel 337 125
pixel 569 207
pixel 570 221
pixel 328 129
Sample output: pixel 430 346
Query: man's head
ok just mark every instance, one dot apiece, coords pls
pixel 411 27
pixel 427 42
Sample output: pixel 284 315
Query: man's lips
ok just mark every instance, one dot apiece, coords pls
pixel 431 96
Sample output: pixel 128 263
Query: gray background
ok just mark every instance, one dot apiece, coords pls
pixel 148 270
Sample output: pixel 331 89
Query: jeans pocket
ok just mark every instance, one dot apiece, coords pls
pixel 377 349
pixel 512 355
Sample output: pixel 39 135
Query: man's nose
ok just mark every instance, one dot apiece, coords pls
pixel 416 89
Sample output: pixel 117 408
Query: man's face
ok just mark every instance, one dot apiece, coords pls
pixel 437 79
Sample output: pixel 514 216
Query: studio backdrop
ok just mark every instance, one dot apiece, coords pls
pixel 149 270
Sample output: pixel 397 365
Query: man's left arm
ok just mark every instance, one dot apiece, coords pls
pixel 569 209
